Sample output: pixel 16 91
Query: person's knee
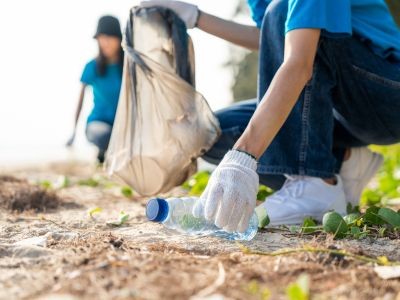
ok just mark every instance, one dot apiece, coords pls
pixel 237 115
pixel 99 134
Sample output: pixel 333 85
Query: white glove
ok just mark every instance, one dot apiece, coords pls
pixel 189 13
pixel 230 196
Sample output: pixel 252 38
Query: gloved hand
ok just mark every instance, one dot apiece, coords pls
pixel 189 13
pixel 230 196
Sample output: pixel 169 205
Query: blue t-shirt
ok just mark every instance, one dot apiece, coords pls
pixel 106 90
pixel 368 20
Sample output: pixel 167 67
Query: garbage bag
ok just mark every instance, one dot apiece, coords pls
pixel 162 124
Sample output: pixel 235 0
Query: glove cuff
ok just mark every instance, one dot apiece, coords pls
pixel 243 159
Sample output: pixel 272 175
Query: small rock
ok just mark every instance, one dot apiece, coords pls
pixel 40 241
pixel 388 272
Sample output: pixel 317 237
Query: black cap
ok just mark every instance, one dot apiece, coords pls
pixel 108 25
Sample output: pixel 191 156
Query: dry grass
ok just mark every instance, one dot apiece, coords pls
pixel 84 259
pixel 19 195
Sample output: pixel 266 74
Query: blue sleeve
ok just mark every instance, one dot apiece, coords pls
pixel 89 73
pixel 258 8
pixel 332 16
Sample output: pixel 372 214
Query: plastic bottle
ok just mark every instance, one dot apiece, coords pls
pixel 176 214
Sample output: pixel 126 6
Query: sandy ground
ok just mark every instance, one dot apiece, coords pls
pixel 61 253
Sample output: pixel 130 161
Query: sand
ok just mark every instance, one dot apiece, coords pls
pixel 51 249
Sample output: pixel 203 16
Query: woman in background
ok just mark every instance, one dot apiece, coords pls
pixel 104 75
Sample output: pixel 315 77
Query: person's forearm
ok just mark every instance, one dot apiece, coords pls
pixel 79 107
pixel 242 35
pixel 274 109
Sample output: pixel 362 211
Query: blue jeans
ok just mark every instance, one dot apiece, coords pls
pixel 352 100
pixel 99 133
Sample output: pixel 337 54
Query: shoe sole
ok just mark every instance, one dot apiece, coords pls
pixel 338 206
pixel 370 172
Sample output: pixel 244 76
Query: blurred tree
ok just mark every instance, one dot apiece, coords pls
pixel 245 63
pixel 245 80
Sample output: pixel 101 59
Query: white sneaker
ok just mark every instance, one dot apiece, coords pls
pixel 302 197
pixel 357 171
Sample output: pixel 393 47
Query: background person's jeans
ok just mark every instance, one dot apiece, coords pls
pixel 352 100
pixel 99 133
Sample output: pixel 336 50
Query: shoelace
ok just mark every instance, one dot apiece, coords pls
pixel 293 187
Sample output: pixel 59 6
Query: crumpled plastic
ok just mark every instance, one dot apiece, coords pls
pixel 162 123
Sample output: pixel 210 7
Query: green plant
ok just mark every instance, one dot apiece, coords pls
pixel 127 191
pixel 385 185
pixel 264 192
pixel 92 182
pixel 122 219
pixel 254 289
pixel 196 184
pixel 299 290
pixel 335 224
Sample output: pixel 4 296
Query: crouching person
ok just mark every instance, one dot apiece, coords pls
pixel 329 86
pixel 104 75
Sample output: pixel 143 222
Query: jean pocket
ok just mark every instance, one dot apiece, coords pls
pixel 377 78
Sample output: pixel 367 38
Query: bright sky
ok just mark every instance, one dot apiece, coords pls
pixel 45 44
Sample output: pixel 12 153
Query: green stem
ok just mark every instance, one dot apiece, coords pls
pixel 306 249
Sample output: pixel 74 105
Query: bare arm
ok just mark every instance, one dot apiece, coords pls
pixel 77 114
pixel 285 89
pixel 242 35
pixel 80 102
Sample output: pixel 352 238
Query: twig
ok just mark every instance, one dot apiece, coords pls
pixel 42 218
pixel 309 249
pixel 212 288
pixel 55 223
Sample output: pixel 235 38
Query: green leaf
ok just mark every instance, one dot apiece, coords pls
pixel 300 290
pixel 357 233
pixel 309 226
pixel 382 231
pixel 263 219
pixel 127 191
pixel 255 289
pixel 196 184
pixel 62 182
pixel 334 223
pixel 294 229
pixel 94 211
pixel 351 218
pixel 122 218
pixel 371 216
pixel 389 216
pixel 353 209
pixel 92 182
pixel 46 184
pixel 264 192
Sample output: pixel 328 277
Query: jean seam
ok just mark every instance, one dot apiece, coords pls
pixel 276 170
pixel 376 78
pixel 304 129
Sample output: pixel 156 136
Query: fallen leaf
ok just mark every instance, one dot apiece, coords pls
pixel 122 218
pixel 94 211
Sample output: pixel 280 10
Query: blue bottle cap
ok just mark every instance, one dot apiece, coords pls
pixel 157 210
